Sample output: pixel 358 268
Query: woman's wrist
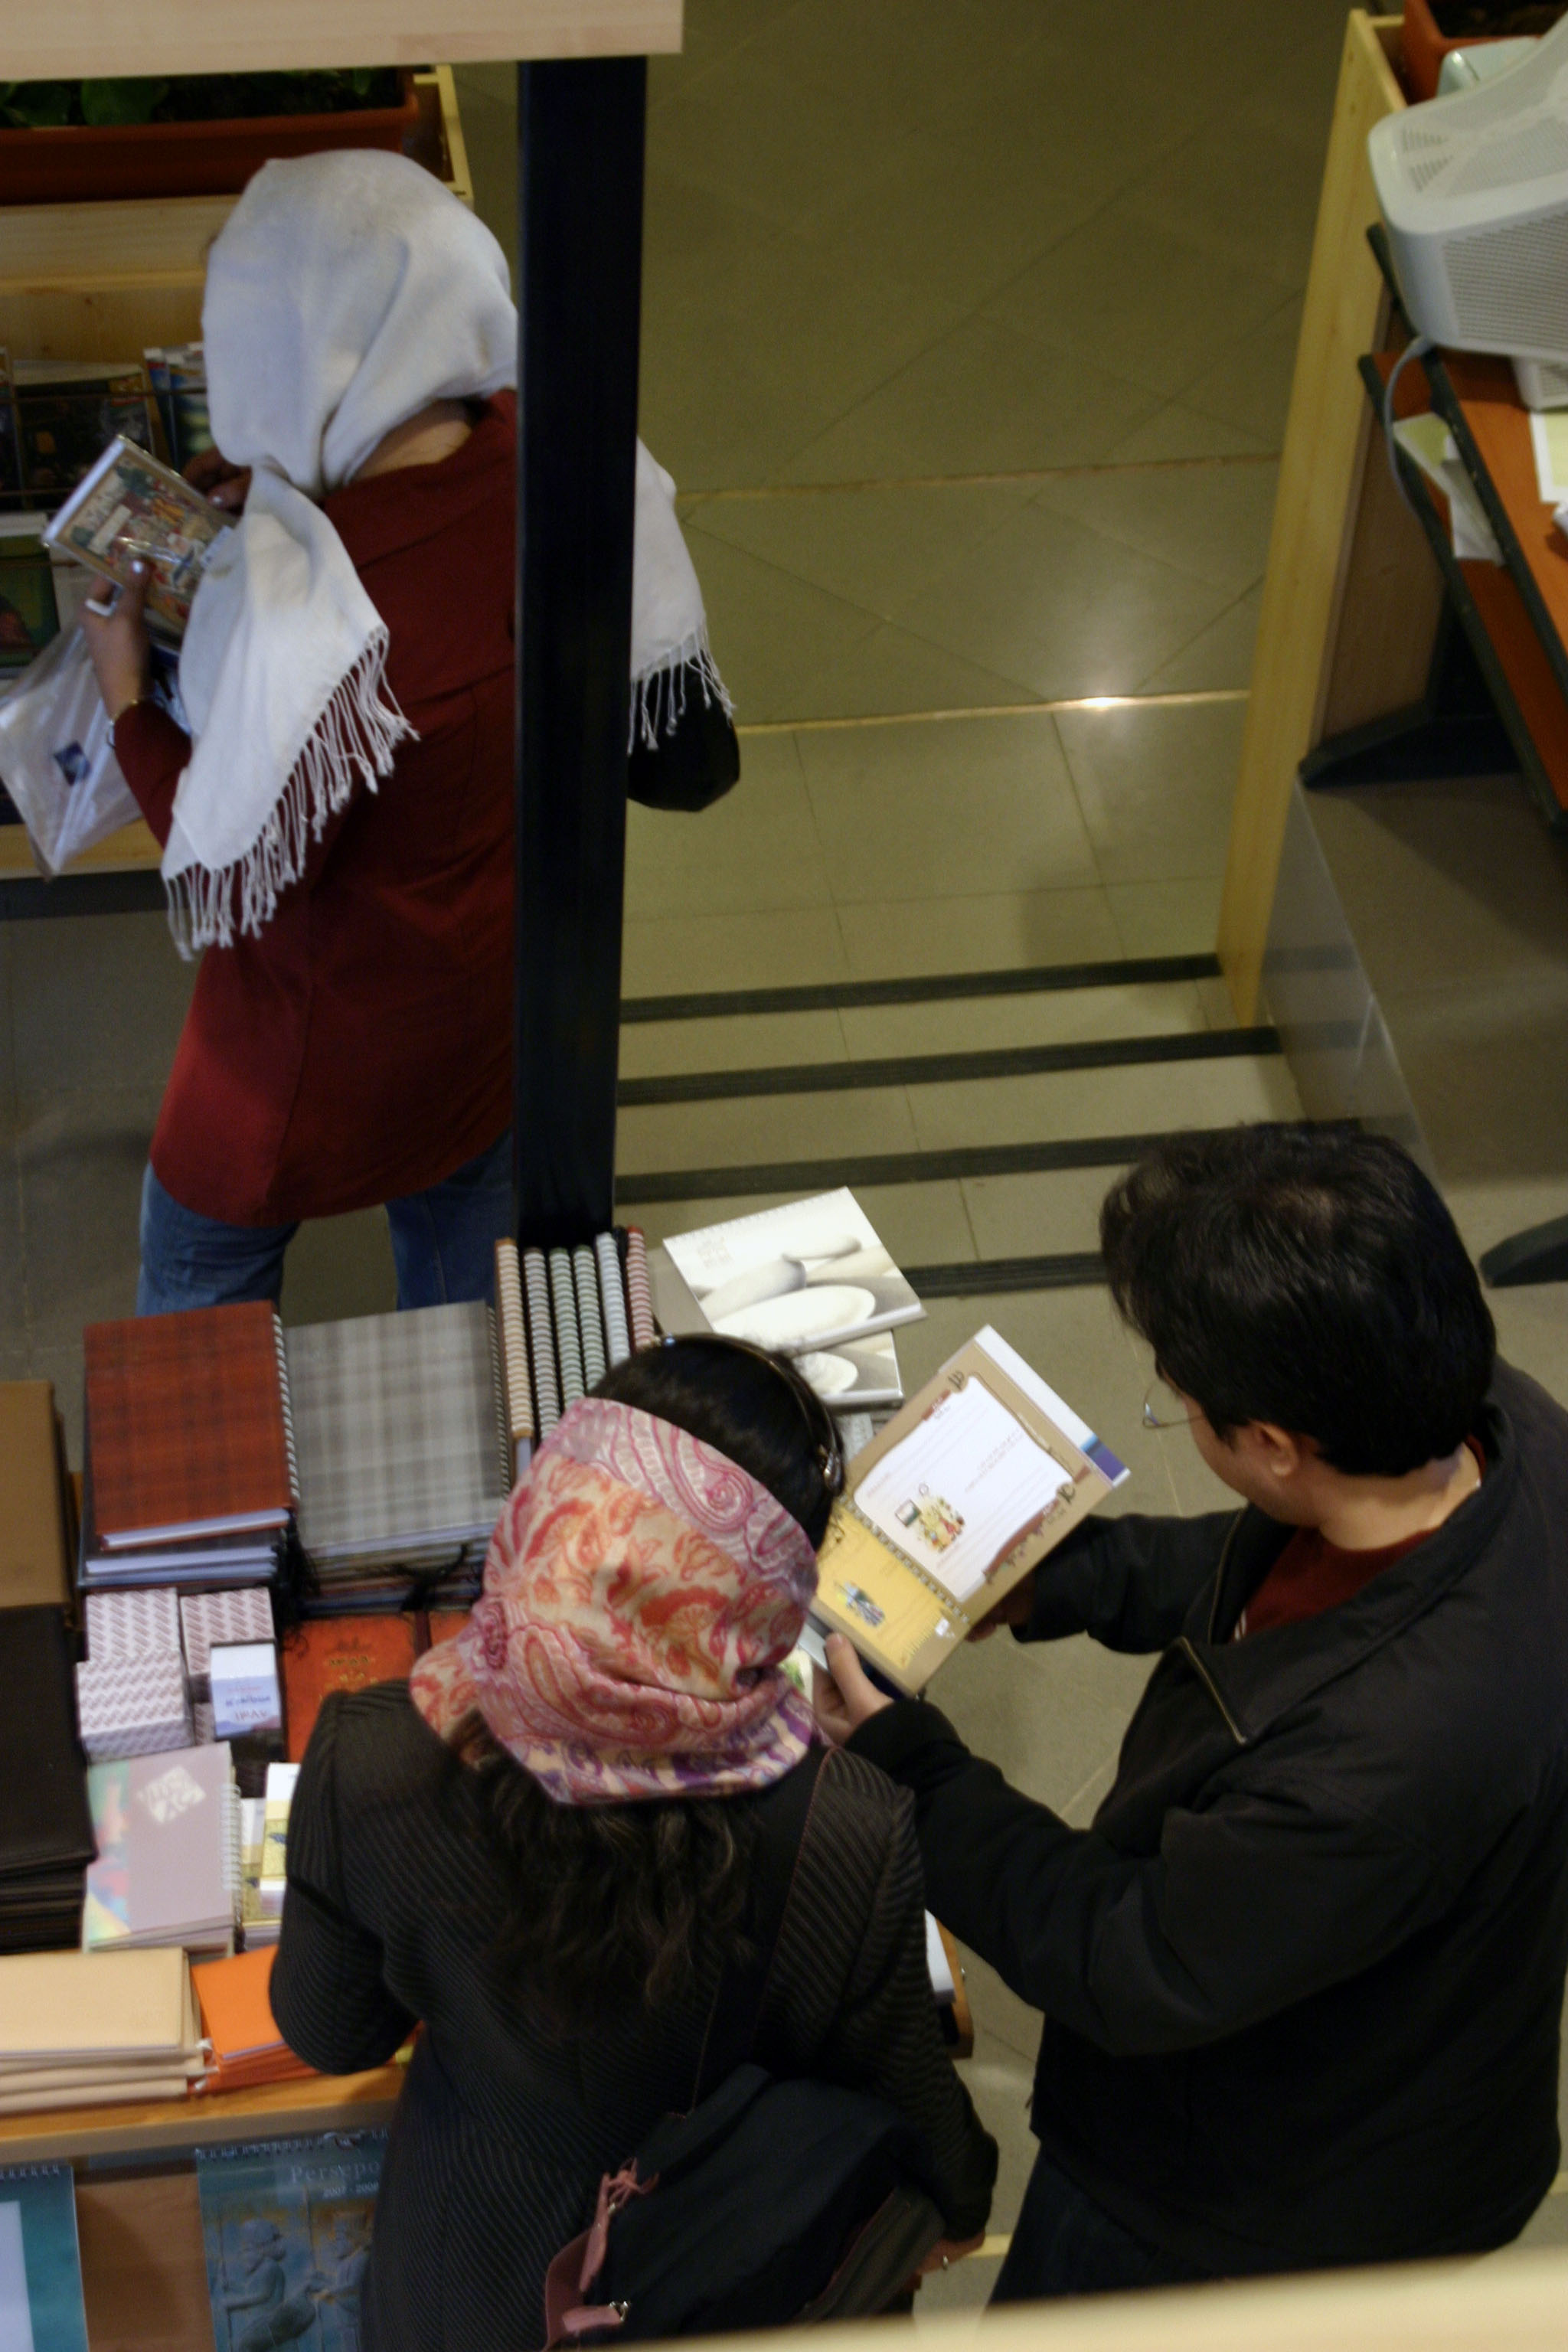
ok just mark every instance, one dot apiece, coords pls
pixel 131 702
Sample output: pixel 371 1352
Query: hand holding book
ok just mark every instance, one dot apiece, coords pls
pixel 117 640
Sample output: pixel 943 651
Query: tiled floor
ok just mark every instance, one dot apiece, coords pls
pixel 968 328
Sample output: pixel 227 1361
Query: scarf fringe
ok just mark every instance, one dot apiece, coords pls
pixel 353 743
pixel 658 696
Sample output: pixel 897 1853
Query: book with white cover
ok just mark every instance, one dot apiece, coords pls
pixel 965 1491
pixel 805 1279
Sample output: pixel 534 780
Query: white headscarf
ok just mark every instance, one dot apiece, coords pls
pixel 345 293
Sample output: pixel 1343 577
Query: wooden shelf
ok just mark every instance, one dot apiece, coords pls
pixel 173 2128
pixel 76 38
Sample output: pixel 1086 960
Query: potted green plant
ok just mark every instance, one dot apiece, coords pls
pixel 191 134
pixel 1433 27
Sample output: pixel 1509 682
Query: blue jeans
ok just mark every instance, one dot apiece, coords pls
pixel 1065 2244
pixel 443 1244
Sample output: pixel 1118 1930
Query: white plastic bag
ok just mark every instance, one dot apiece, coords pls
pixel 56 760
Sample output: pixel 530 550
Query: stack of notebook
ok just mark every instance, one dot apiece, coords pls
pixel 403 1453
pixel 190 1475
pixel 45 1830
pixel 564 1317
pixel 78 2031
pixel 238 2022
pixel 168 1852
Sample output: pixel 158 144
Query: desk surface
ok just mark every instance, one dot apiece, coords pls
pixel 173 2128
pixel 73 37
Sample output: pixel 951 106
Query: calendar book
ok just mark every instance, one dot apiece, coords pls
pixel 963 1492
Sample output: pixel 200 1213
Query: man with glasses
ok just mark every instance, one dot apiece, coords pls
pixel 1303 1977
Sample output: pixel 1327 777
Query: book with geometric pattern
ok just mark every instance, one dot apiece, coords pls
pixel 121 1626
pixel 132 1707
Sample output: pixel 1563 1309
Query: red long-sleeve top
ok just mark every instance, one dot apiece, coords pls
pixel 361 1047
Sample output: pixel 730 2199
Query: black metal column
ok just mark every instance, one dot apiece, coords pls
pixel 580 197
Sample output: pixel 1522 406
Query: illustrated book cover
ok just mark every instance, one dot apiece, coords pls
pixel 68 410
pixel 286 2228
pixel 168 1851
pixel 339 1653
pixel 966 1489
pixel 806 1278
pixel 129 506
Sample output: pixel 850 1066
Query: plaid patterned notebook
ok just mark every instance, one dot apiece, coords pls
pixel 401 1431
pixel 189 1421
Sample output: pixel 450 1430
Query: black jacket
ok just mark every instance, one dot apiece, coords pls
pixel 502 2132
pixel 1303 1977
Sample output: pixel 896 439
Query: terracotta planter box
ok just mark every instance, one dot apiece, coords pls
pixel 1426 47
pixel 183 159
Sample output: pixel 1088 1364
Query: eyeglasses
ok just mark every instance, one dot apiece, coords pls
pixel 1166 1408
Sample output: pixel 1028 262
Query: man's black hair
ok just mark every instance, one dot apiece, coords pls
pixel 1309 1277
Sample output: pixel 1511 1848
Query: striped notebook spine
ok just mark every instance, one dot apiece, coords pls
pixel 639 1298
pixel 516 1387
pixel 285 1401
pixel 585 1274
pixel 541 1346
pixel 613 1300
pixel 568 1346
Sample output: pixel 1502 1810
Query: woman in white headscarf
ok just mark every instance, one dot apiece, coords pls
pixel 337 822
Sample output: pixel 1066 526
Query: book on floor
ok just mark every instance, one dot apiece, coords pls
pixel 130 509
pixel 807 1277
pixel 168 1852
pixel 190 1427
pixel 287 2229
pixel 966 1489
pixel 41 2306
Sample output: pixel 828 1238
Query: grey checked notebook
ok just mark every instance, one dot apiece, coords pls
pixel 401 1436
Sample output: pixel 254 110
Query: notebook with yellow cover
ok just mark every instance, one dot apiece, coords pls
pixel 966 1489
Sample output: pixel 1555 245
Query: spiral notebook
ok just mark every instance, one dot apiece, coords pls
pixel 966 1489
pixel 168 1867
pixel 189 1425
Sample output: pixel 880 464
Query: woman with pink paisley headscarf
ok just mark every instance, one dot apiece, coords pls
pixel 542 1848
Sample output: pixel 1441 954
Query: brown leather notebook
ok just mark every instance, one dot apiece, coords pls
pixel 189 1424
pixel 333 1653
pixel 35 1561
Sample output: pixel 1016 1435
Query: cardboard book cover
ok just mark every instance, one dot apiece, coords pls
pixel 35 1558
pixel 41 2306
pixel 806 1277
pixel 981 1475
pixel 286 2228
pixel 339 1653
pixel 130 507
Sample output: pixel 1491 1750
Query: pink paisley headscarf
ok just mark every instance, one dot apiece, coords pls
pixel 640 1592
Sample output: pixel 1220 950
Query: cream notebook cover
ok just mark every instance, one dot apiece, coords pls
pixel 63 2008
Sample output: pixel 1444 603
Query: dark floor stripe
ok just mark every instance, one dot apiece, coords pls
pixel 939 1069
pixel 1066 1270
pixel 889 1168
pixel 842 995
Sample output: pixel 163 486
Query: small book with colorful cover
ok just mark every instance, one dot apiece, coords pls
pixel 189 1421
pixel 339 1653
pixel 130 509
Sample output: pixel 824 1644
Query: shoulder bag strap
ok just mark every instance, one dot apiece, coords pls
pixel 782 1818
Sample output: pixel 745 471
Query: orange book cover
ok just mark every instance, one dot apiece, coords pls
pixel 237 2008
pixel 446 1625
pixel 333 1653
